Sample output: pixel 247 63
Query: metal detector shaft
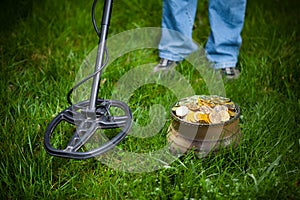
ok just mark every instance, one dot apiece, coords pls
pixel 107 9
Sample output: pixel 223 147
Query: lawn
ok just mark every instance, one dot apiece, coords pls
pixel 42 47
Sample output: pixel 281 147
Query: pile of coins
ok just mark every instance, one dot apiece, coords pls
pixel 205 109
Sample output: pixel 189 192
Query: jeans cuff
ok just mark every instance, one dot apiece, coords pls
pixel 170 57
pixel 224 65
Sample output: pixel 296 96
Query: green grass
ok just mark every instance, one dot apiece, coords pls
pixel 42 45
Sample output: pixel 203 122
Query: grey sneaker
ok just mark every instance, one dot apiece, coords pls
pixel 230 72
pixel 165 65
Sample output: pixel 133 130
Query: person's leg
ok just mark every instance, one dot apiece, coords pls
pixel 177 24
pixel 226 19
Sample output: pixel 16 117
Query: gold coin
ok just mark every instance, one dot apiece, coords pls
pixel 202 117
pixel 204 103
pixel 199 101
pixel 231 113
pixel 190 117
pixel 230 105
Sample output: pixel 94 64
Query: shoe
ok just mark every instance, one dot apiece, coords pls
pixel 165 65
pixel 230 72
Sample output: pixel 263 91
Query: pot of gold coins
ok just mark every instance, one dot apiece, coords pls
pixel 203 123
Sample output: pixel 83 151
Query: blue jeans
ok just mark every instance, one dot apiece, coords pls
pixel 226 19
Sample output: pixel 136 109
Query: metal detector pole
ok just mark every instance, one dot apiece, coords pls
pixel 107 9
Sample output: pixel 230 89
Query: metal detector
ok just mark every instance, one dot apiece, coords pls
pixel 94 114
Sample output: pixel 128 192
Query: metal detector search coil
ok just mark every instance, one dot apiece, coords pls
pixel 91 115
